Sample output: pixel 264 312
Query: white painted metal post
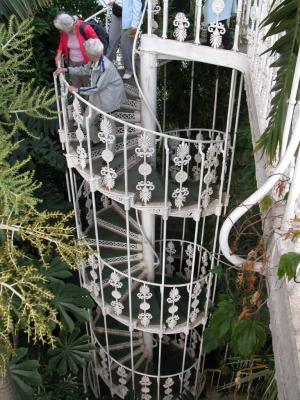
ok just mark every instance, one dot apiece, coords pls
pixel 165 19
pixel 237 26
pixel 149 85
pixel 198 15
pixel 148 111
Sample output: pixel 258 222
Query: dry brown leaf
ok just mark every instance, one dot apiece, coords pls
pixel 251 280
pixel 252 255
pixel 248 266
pixel 246 312
pixel 255 298
pixel 239 279
pixel 280 189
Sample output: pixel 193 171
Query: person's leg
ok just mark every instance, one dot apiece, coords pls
pixel 114 37
pixel 75 79
pixel 126 48
pixel 227 39
pixel 181 6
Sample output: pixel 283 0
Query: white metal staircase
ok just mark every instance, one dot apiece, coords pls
pixel 132 188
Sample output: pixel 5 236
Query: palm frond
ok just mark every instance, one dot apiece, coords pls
pixel 21 8
pixel 284 20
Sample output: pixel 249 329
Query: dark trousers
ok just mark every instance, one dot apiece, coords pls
pixel 181 6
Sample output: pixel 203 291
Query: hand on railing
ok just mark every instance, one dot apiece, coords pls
pixel 58 59
pixel 59 70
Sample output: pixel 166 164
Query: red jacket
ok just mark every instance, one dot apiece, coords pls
pixel 63 42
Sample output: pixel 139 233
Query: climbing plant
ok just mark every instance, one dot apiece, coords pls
pixel 284 20
pixel 240 317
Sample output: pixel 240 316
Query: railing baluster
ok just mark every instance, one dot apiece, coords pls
pixel 198 16
pixel 237 26
pixel 165 19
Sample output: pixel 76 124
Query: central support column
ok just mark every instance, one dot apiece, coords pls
pixel 148 113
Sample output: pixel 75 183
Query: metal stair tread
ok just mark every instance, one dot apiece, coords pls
pixel 130 131
pixel 131 91
pixel 119 159
pixel 154 302
pixel 116 239
pixel 113 324
pixel 97 148
pixel 126 359
pixel 157 199
pixel 134 177
pixel 116 348
pixel 132 216
pixel 131 104
pixel 131 117
pixel 135 271
pixel 122 353
pixel 171 353
pixel 117 164
pixel 112 217
pixel 112 253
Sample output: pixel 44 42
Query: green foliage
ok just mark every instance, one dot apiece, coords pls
pixel 83 8
pixel 29 239
pixel 283 19
pixel 177 109
pixel 260 375
pixel 58 270
pixel 72 352
pixel 19 96
pixel 71 299
pixel 16 185
pixel 288 264
pixel 22 8
pixel 239 318
pixel 247 336
pixel 57 388
pixel 220 325
pixel 24 373
pixel 266 203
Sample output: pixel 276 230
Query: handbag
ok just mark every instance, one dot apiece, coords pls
pixel 117 10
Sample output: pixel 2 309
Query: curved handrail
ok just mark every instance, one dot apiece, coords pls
pixel 255 198
pixel 210 131
pixel 180 285
pixel 96 14
pixel 145 374
pixel 129 124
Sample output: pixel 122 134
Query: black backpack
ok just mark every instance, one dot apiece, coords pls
pixel 99 30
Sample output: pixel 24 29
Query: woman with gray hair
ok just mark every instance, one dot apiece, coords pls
pixel 71 43
pixel 106 90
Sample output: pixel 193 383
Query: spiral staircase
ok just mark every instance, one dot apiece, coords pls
pixel 145 200
pixel 135 299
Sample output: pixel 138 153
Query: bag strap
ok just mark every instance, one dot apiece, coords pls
pixel 81 29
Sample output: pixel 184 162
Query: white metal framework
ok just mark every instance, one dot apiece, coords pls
pixel 142 199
